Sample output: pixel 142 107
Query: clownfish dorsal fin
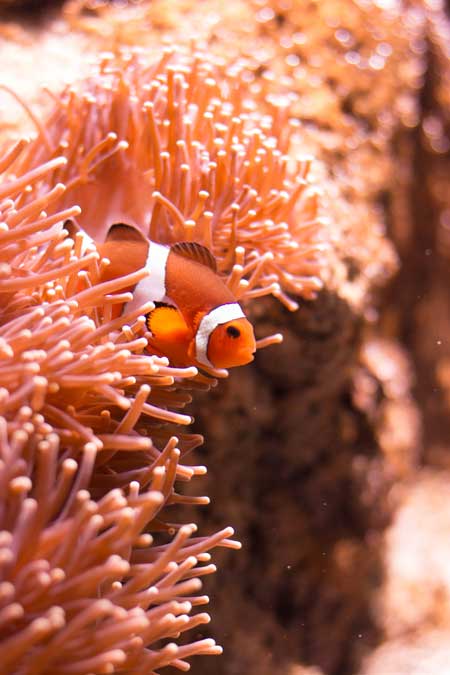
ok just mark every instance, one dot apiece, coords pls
pixel 194 251
pixel 123 232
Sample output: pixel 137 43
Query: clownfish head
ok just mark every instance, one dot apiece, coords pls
pixel 232 344
pixel 225 338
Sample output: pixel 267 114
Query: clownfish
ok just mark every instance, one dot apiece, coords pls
pixel 196 318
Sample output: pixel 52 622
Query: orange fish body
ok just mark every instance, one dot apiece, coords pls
pixel 196 318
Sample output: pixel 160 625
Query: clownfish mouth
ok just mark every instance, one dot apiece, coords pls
pixel 247 357
pixel 241 358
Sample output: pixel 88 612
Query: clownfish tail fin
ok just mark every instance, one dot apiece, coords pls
pixel 72 227
pixel 124 232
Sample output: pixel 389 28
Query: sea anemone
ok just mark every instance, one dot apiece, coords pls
pixel 180 150
pixel 89 459
pixel 83 481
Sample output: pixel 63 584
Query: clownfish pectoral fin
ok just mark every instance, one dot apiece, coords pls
pixel 123 232
pixel 167 324
pixel 194 251
pixel 198 316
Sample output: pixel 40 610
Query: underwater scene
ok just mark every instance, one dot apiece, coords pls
pixel 225 337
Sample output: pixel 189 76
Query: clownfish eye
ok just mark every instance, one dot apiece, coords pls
pixel 233 332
